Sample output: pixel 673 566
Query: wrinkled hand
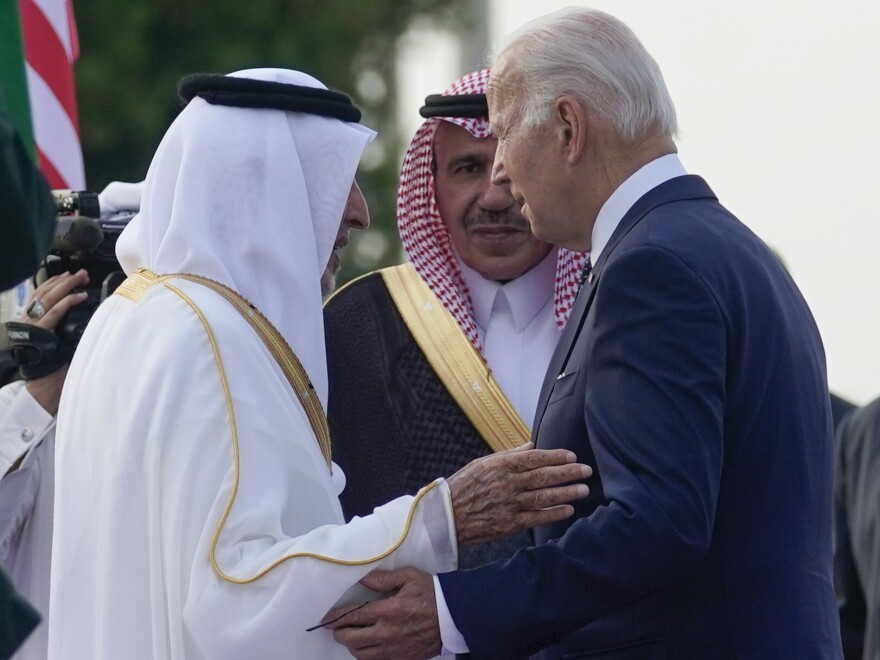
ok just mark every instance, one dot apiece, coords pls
pixel 507 492
pixel 55 294
pixel 403 626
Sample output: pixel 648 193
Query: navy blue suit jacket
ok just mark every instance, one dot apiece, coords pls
pixel 691 376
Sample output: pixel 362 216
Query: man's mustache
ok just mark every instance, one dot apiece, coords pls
pixel 511 219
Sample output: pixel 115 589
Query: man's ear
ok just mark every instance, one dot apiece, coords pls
pixel 573 125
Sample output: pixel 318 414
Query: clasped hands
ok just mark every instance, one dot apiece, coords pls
pixel 492 497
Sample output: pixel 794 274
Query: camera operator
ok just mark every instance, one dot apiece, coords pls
pixel 27 455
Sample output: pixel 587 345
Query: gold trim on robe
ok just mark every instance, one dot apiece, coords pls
pixel 455 360
pixel 137 284
pixel 134 288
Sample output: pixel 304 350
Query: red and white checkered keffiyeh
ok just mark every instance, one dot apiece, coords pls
pixel 425 238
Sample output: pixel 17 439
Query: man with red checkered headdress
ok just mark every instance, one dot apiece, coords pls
pixel 440 360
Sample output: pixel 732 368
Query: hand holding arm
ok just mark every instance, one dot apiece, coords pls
pixel 507 492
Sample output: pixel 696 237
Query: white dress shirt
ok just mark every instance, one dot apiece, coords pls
pixel 517 330
pixel 616 206
pixel 26 500
pixel 641 182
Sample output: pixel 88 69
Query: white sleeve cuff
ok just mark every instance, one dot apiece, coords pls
pixel 452 640
pixel 121 196
pixel 23 424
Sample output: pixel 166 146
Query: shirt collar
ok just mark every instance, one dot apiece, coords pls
pixel 627 194
pixel 526 295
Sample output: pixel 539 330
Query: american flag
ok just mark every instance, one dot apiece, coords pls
pixel 50 48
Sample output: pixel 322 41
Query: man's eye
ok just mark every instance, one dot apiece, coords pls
pixel 470 168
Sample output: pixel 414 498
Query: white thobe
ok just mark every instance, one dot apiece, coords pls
pixel 27 432
pixel 146 471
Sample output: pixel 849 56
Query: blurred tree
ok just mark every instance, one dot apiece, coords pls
pixel 133 53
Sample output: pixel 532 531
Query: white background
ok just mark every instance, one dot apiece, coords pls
pixel 778 106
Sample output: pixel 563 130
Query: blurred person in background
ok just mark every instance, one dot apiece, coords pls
pixel 857 532
pixel 439 361
pixel 840 408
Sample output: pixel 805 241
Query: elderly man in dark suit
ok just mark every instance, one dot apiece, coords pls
pixel 691 375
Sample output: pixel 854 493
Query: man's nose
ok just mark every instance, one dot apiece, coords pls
pixel 495 196
pixel 359 220
pixel 499 174
pixel 357 214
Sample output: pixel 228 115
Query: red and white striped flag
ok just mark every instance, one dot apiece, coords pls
pixel 51 46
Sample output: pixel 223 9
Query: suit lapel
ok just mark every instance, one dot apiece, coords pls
pixel 563 348
pixel 675 190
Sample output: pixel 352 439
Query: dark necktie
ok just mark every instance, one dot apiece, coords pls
pixel 585 273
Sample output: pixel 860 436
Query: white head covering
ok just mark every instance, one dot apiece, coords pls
pixel 253 199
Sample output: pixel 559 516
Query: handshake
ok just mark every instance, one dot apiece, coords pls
pixel 492 496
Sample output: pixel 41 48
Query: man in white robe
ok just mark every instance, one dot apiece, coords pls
pixel 196 510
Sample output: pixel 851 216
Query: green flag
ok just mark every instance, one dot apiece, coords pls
pixel 13 81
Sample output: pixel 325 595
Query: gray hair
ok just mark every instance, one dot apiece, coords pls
pixel 594 57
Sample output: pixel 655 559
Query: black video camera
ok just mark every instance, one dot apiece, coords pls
pixel 84 238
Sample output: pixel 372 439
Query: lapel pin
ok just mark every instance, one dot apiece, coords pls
pixel 590 278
